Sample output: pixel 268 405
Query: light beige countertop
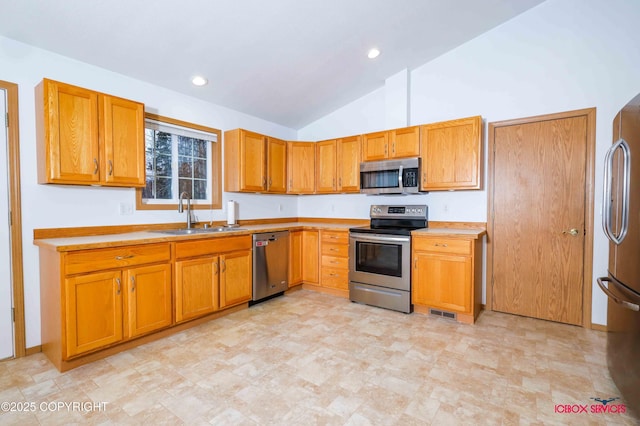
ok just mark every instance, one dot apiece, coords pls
pixel 147 237
pixel 450 233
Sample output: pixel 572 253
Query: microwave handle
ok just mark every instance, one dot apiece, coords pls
pixel 400 178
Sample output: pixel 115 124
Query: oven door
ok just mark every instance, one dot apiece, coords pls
pixel 383 260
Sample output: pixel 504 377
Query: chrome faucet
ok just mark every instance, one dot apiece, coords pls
pixel 180 209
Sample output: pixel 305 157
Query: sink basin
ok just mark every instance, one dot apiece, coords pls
pixel 191 231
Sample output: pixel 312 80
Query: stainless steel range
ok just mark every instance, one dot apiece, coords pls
pixel 380 256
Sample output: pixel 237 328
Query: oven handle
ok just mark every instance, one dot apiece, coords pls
pixel 376 238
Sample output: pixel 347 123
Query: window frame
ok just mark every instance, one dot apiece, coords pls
pixel 216 168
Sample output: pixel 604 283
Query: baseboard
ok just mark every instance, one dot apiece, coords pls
pixel 599 327
pixel 33 350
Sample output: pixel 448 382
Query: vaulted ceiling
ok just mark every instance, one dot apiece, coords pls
pixel 286 61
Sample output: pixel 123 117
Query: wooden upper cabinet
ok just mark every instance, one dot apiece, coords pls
pixel 254 162
pixel 405 142
pixel 301 167
pixel 276 165
pixel 326 155
pixel 122 129
pixel 348 164
pixel 88 138
pixel 375 146
pixel 397 143
pixel 452 154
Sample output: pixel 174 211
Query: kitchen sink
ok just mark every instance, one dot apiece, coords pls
pixel 191 231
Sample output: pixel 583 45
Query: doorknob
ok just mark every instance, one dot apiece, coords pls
pixel 573 232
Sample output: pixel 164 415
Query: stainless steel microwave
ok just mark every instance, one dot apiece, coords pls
pixel 390 176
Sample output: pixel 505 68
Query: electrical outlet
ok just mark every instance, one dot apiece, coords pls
pixel 126 209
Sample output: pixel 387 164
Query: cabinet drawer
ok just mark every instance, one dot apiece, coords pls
pixel 442 245
pixel 340 250
pixel 335 262
pixel 212 246
pixel 335 237
pixel 335 278
pixel 118 257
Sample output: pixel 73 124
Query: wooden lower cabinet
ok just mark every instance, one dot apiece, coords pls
pixel 447 275
pixel 93 311
pixel 334 261
pixel 303 257
pixel 197 283
pixel 235 278
pixel 211 275
pixel 148 300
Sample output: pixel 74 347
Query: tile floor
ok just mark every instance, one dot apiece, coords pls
pixel 309 358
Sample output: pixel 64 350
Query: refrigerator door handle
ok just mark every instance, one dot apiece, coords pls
pixel 608 183
pixel 624 303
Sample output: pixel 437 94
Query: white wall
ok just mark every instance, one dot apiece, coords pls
pixel 50 206
pixel 561 55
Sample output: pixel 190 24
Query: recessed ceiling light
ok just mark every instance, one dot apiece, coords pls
pixel 199 80
pixel 373 53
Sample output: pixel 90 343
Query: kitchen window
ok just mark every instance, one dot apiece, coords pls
pixel 180 157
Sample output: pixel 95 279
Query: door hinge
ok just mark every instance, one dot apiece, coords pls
pixel 13 314
pixel 6 120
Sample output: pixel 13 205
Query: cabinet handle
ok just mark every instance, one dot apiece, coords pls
pixel 333 249
pixel 215 268
pixel 129 256
pixel 441 245
pixel 415 263
pixel 95 170
pixel 224 266
pixel 385 150
pixel 340 182
pixel 119 285
pixel 110 167
pixel 334 262
pixel 264 182
pixel 393 148
pixel 133 284
pixel 333 275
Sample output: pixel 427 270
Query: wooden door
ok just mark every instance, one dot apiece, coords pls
pixel 451 154
pixel 405 142
pixel 295 258
pixel 301 167
pixel 235 278
pixel 442 281
pixel 196 287
pixel 348 164
pixel 375 146
pixel 276 165
pixel 326 171
pixel 310 256
pixel 122 129
pixel 6 300
pixel 253 175
pixel 93 311
pixel 71 134
pixel 538 226
pixel 148 299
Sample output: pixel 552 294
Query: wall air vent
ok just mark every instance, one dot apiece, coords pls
pixel 443 314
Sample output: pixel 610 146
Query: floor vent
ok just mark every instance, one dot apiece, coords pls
pixel 443 314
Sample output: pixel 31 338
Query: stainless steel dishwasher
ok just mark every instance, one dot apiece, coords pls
pixel 270 264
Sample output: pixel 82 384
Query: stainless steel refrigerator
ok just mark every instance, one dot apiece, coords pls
pixel 621 223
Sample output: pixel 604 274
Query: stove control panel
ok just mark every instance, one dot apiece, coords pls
pixel 407 211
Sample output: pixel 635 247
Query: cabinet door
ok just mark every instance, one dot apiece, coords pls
pixel 405 142
pixel 196 287
pixel 349 164
pixel 451 154
pixel 276 165
pixel 301 167
pixel 148 299
pixel 326 155
pixel 442 281
pixel 93 311
pixel 122 129
pixel 375 146
pixel 252 162
pixel 295 258
pixel 310 256
pixel 235 278
pixel 70 144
